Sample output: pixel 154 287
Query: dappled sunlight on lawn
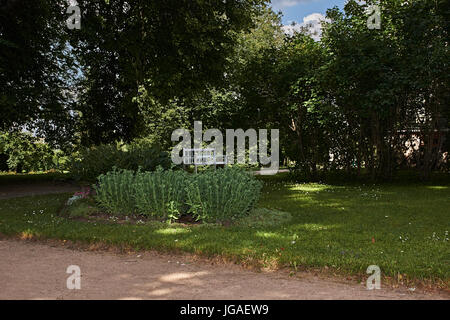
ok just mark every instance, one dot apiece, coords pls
pixel 172 231
pixel 301 198
pixel 265 234
pixel 315 226
pixel 328 199
pixel 437 188
pixel 309 187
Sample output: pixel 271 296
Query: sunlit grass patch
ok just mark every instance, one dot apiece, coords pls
pixel 438 188
pixel 309 187
pixel 169 231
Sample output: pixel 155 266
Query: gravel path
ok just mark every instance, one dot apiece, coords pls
pixel 31 270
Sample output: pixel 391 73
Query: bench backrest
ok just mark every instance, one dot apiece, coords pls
pixel 199 156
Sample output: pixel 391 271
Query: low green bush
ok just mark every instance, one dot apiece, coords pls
pixel 223 194
pixel 161 193
pixel 142 154
pixel 115 192
pixel 211 196
pixel 91 162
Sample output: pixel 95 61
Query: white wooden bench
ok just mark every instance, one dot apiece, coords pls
pixel 203 157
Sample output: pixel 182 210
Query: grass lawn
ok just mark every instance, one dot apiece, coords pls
pixel 402 228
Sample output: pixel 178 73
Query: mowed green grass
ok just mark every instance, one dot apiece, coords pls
pixel 401 228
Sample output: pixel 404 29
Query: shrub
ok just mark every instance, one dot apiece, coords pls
pixel 222 194
pixel 89 163
pixel 115 191
pixel 161 193
pixel 143 155
pixel 212 196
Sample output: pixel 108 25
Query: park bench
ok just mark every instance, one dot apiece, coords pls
pixel 203 157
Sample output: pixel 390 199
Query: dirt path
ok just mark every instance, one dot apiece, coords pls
pixel 32 189
pixel 31 270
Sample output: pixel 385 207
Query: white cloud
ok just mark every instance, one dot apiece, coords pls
pixel 313 23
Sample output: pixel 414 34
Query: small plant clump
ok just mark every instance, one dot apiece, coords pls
pixel 81 204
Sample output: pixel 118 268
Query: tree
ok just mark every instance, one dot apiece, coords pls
pixel 423 33
pixel 160 50
pixel 23 152
pixel 383 81
pixel 34 66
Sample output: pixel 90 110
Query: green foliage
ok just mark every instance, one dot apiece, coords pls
pixel 223 194
pixel 383 81
pixel 115 192
pixel 351 101
pixel 161 193
pixel 172 48
pixel 20 151
pixel 89 163
pixel 36 68
pixel 143 154
pixel 211 196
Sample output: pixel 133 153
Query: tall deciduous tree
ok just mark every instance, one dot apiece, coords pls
pixel 385 81
pixel 162 49
pixel 34 66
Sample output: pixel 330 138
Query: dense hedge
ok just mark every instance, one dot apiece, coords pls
pixel 211 196
pixel 91 162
